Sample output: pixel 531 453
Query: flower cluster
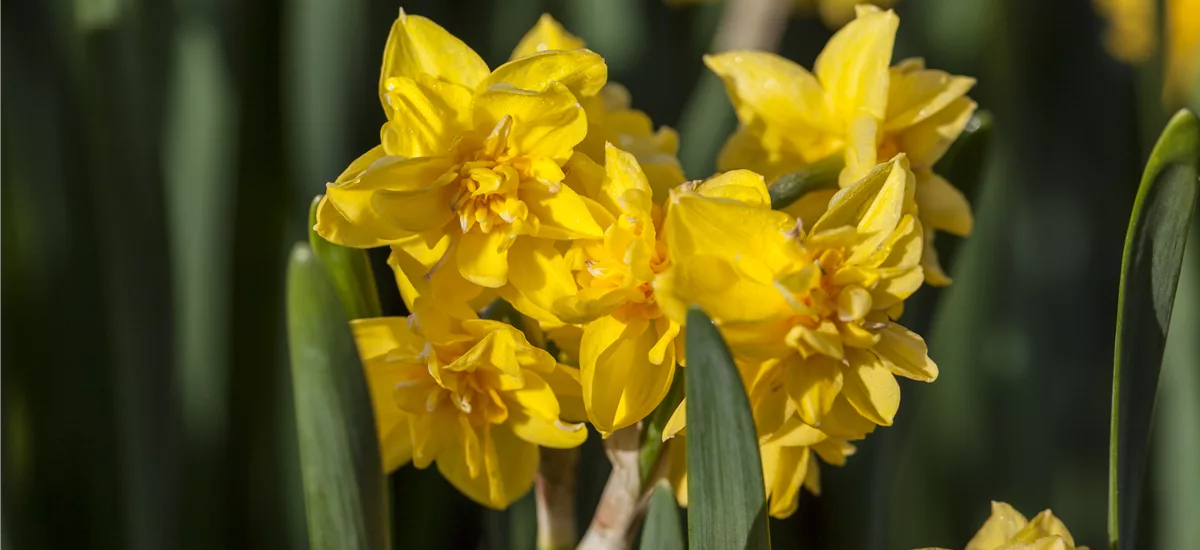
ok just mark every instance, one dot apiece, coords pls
pixel 537 184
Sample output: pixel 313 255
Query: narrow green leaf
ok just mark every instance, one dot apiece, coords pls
pixel 344 497
pixel 349 270
pixel 727 502
pixel 822 174
pixel 661 531
pixel 652 443
pixel 1154 246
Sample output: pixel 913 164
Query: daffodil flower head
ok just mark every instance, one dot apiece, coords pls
pixel 1007 529
pixel 471 395
pixel 813 307
pixel 627 346
pixel 470 161
pixel 852 104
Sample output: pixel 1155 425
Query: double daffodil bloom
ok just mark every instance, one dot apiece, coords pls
pixel 815 307
pixel 1007 529
pixel 610 118
pixel 468 177
pixel 627 349
pixel 473 396
pixel 855 105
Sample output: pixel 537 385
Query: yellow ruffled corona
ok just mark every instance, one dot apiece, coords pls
pixel 473 396
pixel 1007 529
pixel 813 307
pixel 466 185
pixel 852 104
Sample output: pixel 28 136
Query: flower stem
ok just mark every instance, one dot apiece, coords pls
pixel 620 507
pixel 554 490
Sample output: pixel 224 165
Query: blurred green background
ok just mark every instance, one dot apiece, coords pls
pixel 159 157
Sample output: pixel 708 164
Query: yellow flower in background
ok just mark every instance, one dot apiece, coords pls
pixel 855 105
pixel 627 351
pixel 1131 37
pixel 473 396
pixel 1182 63
pixel 814 307
pixel 610 117
pixel 1007 529
pixel 468 178
pixel 833 13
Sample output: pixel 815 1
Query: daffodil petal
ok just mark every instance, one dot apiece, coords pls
pixel 813 384
pixel 904 353
pixel 942 206
pixel 562 214
pixel 564 380
pixel 1000 527
pixel 765 86
pixel 417 45
pixel 483 257
pixel 416 211
pixel 620 384
pixel 740 185
pixel 546 34
pixel 853 67
pixel 871 387
pixel 581 71
pixel 546 123
pixel 926 141
pixel 426 115
pixel 913 96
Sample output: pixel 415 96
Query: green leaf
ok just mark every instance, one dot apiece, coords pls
pixel 661 531
pixel 1154 246
pixel 652 443
pixel 822 174
pixel 344 497
pixel 349 270
pixel 727 502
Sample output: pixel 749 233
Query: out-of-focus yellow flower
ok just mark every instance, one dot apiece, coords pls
pixel 467 183
pixel 814 308
pixel 472 395
pixel 833 13
pixel 1007 529
pixel 610 117
pixel 627 349
pixel 856 105
pixel 1131 37
pixel 1182 63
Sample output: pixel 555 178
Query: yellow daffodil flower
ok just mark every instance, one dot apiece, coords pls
pixel 466 185
pixel 473 396
pixel 854 104
pixel 1007 529
pixel 814 306
pixel 627 348
pixel 610 118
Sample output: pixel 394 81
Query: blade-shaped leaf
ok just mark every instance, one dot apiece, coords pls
pixel 349 271
pixel 661 530
pixel 1154 245
pixel 344 494
pixel 727 502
